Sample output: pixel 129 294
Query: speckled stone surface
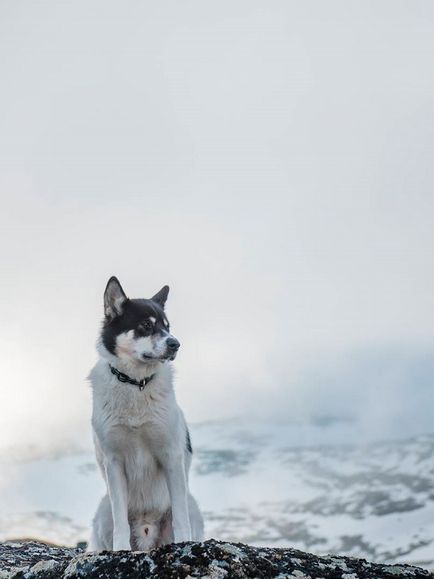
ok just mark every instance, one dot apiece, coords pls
pixel 210 560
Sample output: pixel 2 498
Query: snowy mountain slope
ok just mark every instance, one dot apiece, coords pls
pixel 261 483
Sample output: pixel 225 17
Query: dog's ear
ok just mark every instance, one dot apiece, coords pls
pixel 161 297
pixel 114 298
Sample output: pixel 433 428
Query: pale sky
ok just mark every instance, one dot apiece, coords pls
pixel 271 161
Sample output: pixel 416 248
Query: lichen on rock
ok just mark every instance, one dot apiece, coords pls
pixel 208 560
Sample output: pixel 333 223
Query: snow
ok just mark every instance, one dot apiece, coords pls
pixel 267 484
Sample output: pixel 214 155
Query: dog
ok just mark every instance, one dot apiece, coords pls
pixel 141 438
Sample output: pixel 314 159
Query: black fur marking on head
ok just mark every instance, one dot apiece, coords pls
pixel 134 313
pixel 188 441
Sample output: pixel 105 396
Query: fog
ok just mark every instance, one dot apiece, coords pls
pixel 271 162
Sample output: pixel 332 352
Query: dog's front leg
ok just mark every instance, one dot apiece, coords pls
pixel 176 481
pixel 117 487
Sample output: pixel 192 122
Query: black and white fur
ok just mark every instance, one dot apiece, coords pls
pixel 141 438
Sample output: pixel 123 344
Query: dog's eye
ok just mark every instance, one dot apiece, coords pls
pixel 146 326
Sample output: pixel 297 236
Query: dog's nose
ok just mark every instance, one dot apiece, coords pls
pixel 172 344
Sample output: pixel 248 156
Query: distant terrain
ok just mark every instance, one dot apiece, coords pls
pixel 266 484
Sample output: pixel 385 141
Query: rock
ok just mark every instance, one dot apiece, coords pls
pixel 209 560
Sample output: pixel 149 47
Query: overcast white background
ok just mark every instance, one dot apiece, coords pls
pixel 271 161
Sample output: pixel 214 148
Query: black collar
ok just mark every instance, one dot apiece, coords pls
pixel 125 378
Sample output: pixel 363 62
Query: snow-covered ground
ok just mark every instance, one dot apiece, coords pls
pixel 263 483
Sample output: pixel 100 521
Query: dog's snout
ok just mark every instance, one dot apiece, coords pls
pixel 172 344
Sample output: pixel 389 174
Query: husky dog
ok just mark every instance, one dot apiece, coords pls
pixel 141 438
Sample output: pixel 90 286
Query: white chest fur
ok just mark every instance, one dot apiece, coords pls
pixel 133 426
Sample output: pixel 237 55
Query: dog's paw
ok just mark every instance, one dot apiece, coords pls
pixel 121 544
pixel 181 535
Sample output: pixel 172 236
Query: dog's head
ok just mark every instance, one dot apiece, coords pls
pixel 137 330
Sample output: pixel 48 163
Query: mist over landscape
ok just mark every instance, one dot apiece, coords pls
pixel 273 165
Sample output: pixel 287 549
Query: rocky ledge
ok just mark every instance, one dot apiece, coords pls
pixel 211 560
